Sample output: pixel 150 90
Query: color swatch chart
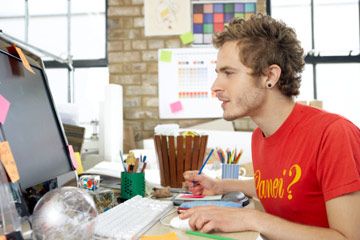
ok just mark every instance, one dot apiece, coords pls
pixel 185 79
pixel 210 17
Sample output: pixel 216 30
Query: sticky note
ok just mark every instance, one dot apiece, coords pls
pixel 4 108
pixel 166 236
pixel 164 12
pixel 72 156
pixel 187 38
pixel 165 56
pixel 80 168
pixel 23 59
pixel 8 161
pixel 176 107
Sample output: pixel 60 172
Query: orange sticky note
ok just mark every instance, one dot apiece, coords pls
pixel 24 60
pixel 8 161
pixel 166 236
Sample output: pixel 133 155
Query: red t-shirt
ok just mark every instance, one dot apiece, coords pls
pixel 313 157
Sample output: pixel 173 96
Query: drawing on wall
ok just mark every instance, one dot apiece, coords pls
pixel 167 17
pixel 210 16
pixel 185 79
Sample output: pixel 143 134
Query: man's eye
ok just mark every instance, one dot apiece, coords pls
pixel 228 73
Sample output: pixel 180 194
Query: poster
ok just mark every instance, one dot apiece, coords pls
pixel 167 17
pixel 210 17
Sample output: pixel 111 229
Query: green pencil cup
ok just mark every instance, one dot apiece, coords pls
pixel 132 184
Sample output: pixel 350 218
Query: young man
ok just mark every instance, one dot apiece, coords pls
pixel 306 161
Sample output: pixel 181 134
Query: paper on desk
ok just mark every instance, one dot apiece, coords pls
pixel 190 197
pixel 167 236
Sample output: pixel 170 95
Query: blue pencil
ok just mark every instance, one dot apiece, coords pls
pixel 207 159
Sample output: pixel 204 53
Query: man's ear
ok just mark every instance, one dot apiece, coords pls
pixel 272 75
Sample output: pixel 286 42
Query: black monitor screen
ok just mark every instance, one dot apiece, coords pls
pixel 32 126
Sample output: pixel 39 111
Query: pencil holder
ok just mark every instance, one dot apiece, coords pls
pixel 177 154
pixel 230 171
pixel 132 184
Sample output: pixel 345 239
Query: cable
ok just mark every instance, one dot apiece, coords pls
pixel 161 219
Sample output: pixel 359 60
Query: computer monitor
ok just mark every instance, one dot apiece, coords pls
pixel 32 126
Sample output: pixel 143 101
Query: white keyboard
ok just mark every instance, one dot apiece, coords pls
pixel 130 219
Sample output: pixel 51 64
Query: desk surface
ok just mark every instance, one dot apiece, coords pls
pixel 159 229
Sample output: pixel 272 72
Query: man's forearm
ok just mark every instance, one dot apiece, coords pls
pixel 273 227
pixel 245 186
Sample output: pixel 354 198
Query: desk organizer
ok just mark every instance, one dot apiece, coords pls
pixel 230 171
pixel 178 154
pixel 132 184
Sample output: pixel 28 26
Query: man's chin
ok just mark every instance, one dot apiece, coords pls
pixel 229 117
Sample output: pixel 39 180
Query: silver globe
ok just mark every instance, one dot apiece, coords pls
pixel 64 213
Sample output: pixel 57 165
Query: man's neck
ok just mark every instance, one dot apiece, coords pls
pixel 273 114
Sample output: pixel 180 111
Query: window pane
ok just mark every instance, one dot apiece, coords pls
pixel 12 8
pixel 307 86
pixel 296 14
pixel 58 81
pixel 338 86
pixel 336 25
pixel 15 27
pixel 81 6
pixel 41 7
pixel 88 36
pixel 44 35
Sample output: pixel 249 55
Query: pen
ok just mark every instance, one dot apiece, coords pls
pixel 207 159
pixel 206 235
pixel 122 161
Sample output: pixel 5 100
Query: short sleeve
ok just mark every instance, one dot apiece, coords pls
pixel 338 163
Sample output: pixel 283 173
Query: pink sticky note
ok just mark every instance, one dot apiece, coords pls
pixel 4 108
pixel 176 107
pixel 72 156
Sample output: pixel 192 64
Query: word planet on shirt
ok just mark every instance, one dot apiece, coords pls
pixel 274 187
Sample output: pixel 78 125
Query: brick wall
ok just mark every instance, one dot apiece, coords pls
pixel 133 64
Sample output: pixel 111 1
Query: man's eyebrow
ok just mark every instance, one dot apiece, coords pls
pixel 226 68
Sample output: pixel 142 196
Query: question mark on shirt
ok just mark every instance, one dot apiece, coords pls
pixel 296 171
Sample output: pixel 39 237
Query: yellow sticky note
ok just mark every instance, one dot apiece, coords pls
pixel 8 161
pixel 164 12
pixel 80 168
pixel 165 56
pixel 187 38
pixel 166 236
pixel 24 60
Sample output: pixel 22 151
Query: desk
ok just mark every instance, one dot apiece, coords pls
pixel 159 229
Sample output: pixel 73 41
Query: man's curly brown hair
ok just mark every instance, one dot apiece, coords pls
pixel 264 41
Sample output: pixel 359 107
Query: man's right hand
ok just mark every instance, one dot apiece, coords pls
pixel 201 184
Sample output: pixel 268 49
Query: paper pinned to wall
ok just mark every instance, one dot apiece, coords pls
pixel 188 78
pixel 167 17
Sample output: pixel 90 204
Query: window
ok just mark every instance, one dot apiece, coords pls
pixel 332 50
pixel 80 37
